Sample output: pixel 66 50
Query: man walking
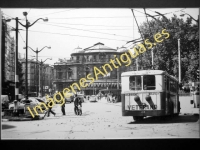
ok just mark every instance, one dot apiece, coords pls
pixel 49 110
pixel 63 105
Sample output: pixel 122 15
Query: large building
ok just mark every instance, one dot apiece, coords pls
pixel 7 61
pixel 82 63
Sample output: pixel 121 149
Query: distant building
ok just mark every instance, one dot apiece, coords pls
pixel 82 63
pixel 38 80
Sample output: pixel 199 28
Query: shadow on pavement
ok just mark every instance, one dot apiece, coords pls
pixel 4 126
pixel 175 119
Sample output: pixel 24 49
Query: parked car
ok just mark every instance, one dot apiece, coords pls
pixel 93 98
pixel 32 101
pixel 69 97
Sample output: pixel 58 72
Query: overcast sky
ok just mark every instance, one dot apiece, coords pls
pixel 69 28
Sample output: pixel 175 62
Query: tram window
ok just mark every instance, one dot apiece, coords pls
pixel 135 83
pixel 149 82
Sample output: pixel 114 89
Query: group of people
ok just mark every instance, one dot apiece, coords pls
pixel 111 97
pixel 77 102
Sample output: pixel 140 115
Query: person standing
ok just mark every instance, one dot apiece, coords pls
pixel 63 108
pixel 75 103
pixel 63 105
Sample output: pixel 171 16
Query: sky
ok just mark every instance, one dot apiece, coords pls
pixel 70 28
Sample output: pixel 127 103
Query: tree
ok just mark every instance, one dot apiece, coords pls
pixel 166 52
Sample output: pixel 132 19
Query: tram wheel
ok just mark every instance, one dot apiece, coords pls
pixel 136 118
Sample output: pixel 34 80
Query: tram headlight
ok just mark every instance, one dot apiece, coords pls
pixel 148 98
pixel 137 99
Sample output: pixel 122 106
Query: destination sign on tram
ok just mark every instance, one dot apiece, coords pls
pixel 142 107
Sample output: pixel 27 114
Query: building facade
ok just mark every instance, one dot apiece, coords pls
pixel 7 61
pixel 39 77
pixel 82 63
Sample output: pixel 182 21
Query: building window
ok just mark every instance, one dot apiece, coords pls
pixel 69 73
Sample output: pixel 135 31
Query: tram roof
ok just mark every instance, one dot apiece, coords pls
pixel 147 72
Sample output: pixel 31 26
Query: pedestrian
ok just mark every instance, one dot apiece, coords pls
pixel 63 105
pixel 77 101
pixel 49 110
pixel 63 108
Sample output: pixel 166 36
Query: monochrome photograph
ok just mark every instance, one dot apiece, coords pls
pixel 99 73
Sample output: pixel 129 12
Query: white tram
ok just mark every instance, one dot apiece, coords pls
pixel 149 93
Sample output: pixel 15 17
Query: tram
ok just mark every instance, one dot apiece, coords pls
pixel 149 93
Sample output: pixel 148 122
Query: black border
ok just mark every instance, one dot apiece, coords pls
pixel 101 143
pixel 98 3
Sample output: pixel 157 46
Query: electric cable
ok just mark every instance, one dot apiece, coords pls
pixel 85 30
pixel 74 35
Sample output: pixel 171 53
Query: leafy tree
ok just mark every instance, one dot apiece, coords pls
pixel 166 52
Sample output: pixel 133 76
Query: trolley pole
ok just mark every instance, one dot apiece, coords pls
pixel 133 39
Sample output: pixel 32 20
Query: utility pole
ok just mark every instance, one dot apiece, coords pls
pixel 199 62
pixel 39 81
pixel 179 57
pixel 0 52
pixel 16 63
pixel 40 71
pixel 37 51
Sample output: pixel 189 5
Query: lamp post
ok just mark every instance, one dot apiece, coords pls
pixel 36 51
pixel 28 25
pixel 41 63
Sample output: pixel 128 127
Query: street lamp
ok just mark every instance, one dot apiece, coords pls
pixel 27 25
pixel 37 58
pixel 41 63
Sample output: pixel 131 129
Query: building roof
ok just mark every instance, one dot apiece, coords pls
pixel 78 50
pixel 122 49
pixel 99 47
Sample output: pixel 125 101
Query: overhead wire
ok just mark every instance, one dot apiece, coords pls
pixel 85 30
pixel 152 36
pixel 137 24
pixel 53 13
pixel 74 35
pixel 90 25
pixel 96 17
pixel 168 12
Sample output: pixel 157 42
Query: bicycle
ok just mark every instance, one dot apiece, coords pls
pixel 78 110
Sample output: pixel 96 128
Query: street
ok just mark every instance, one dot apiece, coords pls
pixel 100 120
